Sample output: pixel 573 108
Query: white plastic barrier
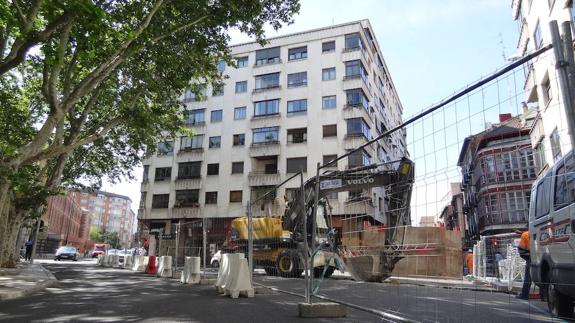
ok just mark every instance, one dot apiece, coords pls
pixel 115 261
pixel 101 260
pixel 191 272
pixel 165 267
pixel 234 277
pixel 128 260
pixel 108 261
pixel 138 264
pixel 145 263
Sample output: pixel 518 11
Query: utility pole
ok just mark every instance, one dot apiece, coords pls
pixel 563 50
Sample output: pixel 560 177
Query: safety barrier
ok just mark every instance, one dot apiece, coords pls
pixel 191 272
pixel 152 267
pixel 128 260
pixel 115 261
pixel 234 276
pixel 101 260
pixel 138 264
pixel 165 267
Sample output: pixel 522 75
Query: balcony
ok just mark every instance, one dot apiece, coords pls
pixel 273 61
pixel 263 179
pixel 186 212
pixel 270 148
pixel 196 124
pixel 352 141
pixel 499 224
pixel 188 183
pixel 351 111
pixel 359 205
pixel 266 120
pixel 266 89
pixel 191 153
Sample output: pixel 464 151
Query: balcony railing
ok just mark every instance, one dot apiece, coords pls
pixel 273 61
pixel 262 178
pixel 269 115
pixel 269 88
pixel 191 150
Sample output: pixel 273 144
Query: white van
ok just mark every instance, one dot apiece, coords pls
pixel 551 235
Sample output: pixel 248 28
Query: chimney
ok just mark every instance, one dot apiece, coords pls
pixel 504 117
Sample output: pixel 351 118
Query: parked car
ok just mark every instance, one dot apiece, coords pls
pixel 552 235
pixel 216 259
pixel 67 252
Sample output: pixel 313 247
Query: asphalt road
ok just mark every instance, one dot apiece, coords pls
pixel 92 294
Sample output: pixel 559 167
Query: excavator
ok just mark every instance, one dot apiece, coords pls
pixel 280 245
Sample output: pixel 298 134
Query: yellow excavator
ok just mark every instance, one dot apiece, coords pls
pixel 279 242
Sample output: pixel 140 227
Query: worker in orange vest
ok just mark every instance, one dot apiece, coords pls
pixel 469 261
pixel 523 249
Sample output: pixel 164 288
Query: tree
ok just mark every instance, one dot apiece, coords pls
pixel 88 79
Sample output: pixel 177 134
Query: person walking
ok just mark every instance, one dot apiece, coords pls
pixel 469 262
pixel 524 253
pixel 29 245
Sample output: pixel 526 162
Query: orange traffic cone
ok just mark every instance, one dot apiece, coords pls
pixel 152 268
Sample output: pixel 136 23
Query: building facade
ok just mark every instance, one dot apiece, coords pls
pixel 498 169
pixel 452 215
pixel 110 213
pixel 302 99
pixel 65 223
pixel 550 134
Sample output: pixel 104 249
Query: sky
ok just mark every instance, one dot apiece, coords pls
pixel 431 47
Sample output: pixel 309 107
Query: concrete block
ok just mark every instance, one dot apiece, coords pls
pixel 191 273
pixel 317 310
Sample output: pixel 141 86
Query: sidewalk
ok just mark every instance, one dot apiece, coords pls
pixel 23 280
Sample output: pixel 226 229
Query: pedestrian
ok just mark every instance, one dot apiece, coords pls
pixel 29 245
pixel 469 261
pixel 523 249
pixel 498 258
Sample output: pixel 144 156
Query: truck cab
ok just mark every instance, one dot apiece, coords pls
pixel 551 233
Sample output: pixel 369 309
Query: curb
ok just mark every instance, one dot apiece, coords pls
pixel 39 285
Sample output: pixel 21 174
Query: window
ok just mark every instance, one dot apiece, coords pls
pixel 146 171
pixel 354 69
pixel 542 202
pixel 242 61
pixel 239 139
pixel 166 148
pixel 194 117
pixel 189 170
pixel 328 158
pixel 328 74
pixel 271 168
pixel 537 37
pixel 215 142
pixel 217 90
pixel 265 135
pixel 239 113
pixel 294 165
pixel 188 143
pixel 263 108
pixel 328 102
pixel 235 196
pixel 359 158
pixel 163 173
pixel 211 198
pixel 297 53
pixel 539 155
pixel 268 56
pixel 547 94
pixel 356 98
pixel 354 41
pixel 292 193
pixel 237 167
pixel 297 107
pixel 297 79
pixel 330 130
pixel 357 126
pixel 216 116
pixel 213 169
pixel 295 136
pixel 160 201
pixel 241 86
pixel 555 144
pixel 187 198
pixel 328 47
pixel 267 81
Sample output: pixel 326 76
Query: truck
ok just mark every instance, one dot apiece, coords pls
pixel 99 249
pixel 280 245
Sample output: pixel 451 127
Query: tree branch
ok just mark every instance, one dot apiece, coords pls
pixel 69 71
pixel 21 46
pixel 197 21
pixel 57 66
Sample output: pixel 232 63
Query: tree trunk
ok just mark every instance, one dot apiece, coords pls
pixel 9 256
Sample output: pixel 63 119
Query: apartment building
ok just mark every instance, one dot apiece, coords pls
pixel 65 223
pixel 110 213
pixel 303 99
pixel 550 134
pixel 498 168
